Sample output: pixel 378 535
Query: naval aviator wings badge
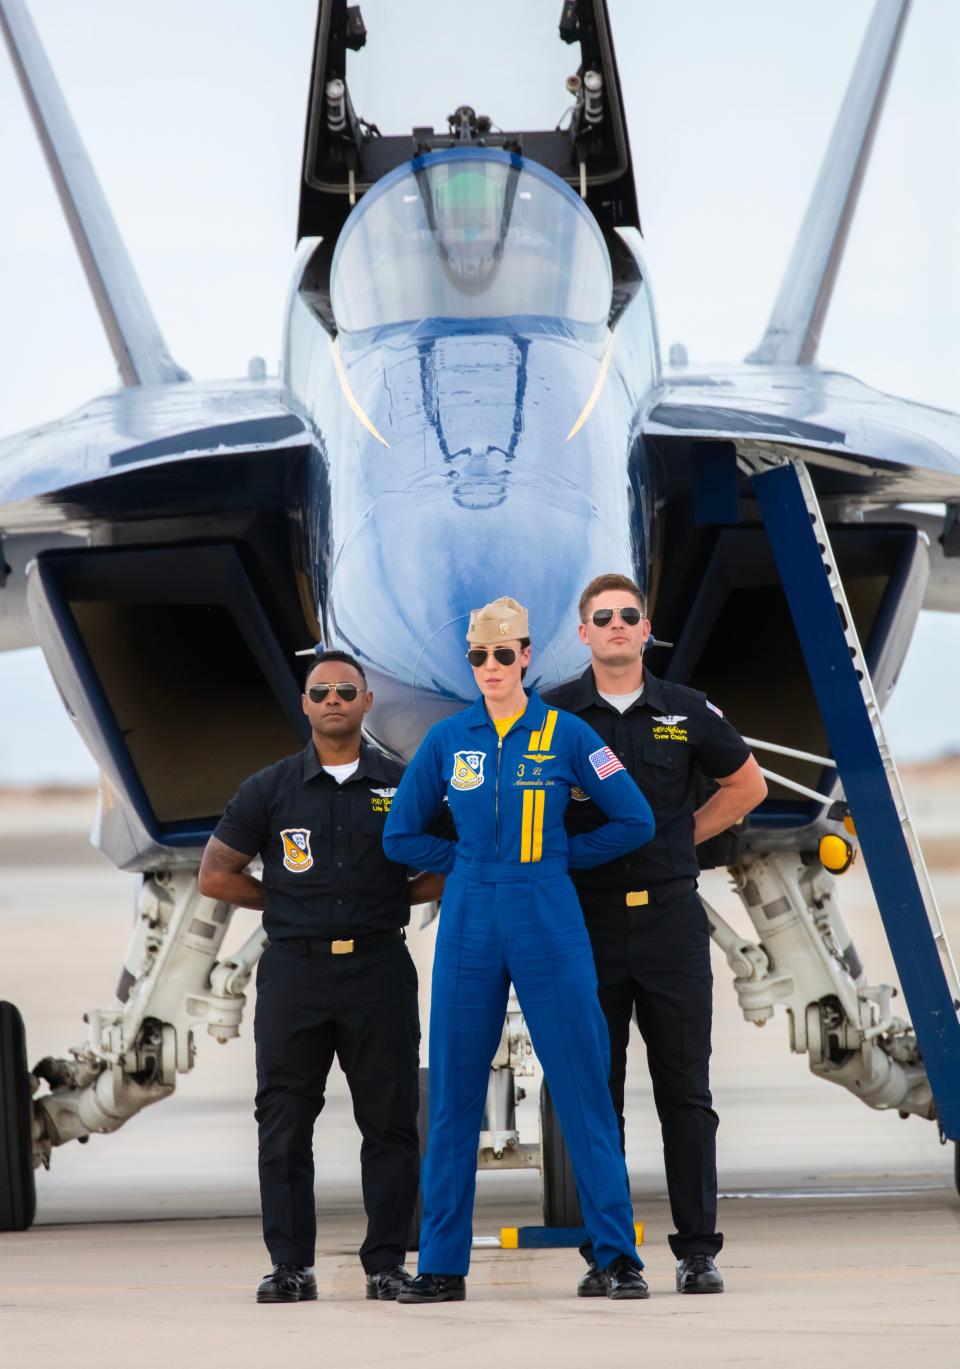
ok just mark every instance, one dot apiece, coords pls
pixel 467 769
pixel 296 849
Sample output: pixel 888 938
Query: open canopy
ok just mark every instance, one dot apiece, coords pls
pixel 470 233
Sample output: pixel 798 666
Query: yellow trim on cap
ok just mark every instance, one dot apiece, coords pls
pixel 348 394
pixel 588 408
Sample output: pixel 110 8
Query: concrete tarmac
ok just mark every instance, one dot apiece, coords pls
pixel 841 1224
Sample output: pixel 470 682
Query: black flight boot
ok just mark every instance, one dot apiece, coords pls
pixel 288 1283
pixel 386 1283
pixel 593 1284
pixel 698 1274
pixel 624 1280
pixel 434 1288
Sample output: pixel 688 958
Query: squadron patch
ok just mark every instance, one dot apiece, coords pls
pixel 467 769
pixel 578 794
pixel 296 849
pixel 381 799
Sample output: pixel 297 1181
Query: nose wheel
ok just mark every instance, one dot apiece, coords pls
pixel 561 1203
pixel 18 1200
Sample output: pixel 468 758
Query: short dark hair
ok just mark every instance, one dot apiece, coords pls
pixel 600 583
pixel 344 656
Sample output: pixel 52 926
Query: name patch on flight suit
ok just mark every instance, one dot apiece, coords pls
pixel 296 849
pixel 467 769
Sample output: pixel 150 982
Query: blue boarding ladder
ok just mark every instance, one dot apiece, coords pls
pixel 872 787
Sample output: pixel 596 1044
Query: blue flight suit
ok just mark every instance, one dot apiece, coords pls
pixel 510 912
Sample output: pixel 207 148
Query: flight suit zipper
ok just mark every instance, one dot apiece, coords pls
pixel 496 797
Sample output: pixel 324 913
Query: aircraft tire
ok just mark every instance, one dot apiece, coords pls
pixel 18 1197
pixel 423 1126
pixel 561 1203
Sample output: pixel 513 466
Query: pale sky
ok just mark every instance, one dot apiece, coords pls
pixel 193 116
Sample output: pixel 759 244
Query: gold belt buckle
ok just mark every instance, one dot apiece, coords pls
pixel 341 947
pixel 638 898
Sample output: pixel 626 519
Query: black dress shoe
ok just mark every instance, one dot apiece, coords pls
pixel 288 1283
pixel 593 1284
pixel 434 1288
pixel 386 1283
pixel 624 1280
pixel 698 1274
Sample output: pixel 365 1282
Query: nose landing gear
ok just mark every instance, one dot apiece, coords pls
pixel 18 1199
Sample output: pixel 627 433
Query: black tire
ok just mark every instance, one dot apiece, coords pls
pixel 18 1195
pixel 423 1126
pixel 561 1203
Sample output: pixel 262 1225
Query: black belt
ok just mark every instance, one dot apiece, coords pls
pixel 311 945
pixel 665 891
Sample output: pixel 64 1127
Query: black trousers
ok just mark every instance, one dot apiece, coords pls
pixel 654 963
pixel 363 1009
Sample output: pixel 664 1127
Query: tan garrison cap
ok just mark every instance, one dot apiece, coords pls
pixel 502 621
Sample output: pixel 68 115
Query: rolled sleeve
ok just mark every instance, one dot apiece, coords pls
pixel 244 825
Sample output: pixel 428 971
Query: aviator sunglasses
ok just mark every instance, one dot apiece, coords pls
pixel 318 692
pixel 603 617
pixel 477 655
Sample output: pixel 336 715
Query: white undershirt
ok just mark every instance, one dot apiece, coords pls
pixel 621 702
pixel 342 772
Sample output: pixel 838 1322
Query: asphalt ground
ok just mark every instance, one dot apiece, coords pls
pixel 841 1224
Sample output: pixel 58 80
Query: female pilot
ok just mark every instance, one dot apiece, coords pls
pixel 507 766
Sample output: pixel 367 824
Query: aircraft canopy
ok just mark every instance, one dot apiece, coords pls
pixel 474 234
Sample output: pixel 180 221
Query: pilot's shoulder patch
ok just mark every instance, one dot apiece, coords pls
pixel 713 708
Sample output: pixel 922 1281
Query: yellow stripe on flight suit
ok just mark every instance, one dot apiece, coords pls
pixel 539 801
pixel 531 828
pixel 546 732
pixel 526 826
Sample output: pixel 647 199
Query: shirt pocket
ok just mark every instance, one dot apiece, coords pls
pixel 367 843
pixel 664 775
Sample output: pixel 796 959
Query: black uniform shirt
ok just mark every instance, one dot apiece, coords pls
pixel 663 738
pixel 324 871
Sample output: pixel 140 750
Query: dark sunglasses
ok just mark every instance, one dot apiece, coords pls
pixel 347 692
pixel 603 617
pixel 477 656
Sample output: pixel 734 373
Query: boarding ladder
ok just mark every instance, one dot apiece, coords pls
pixel 872 787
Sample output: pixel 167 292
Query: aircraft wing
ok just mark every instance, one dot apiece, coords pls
pixel 61 473
pixel 869 447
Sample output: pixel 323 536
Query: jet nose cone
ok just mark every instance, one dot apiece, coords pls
pixel 403 586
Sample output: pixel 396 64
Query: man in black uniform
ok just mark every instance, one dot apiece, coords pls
pixel 647 925
pixel 335 979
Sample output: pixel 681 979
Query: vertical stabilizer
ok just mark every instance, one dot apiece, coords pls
pixel 793 333
pixel 135 339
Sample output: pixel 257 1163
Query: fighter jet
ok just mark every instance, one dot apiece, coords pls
pixel 472 389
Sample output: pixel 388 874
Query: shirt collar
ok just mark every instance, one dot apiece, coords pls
pixel 587 692
pixel 369 766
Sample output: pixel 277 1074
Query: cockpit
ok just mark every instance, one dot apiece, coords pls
pixel 471 233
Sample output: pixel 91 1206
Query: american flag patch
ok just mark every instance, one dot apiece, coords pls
pixel 605 762
pixel 718 711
